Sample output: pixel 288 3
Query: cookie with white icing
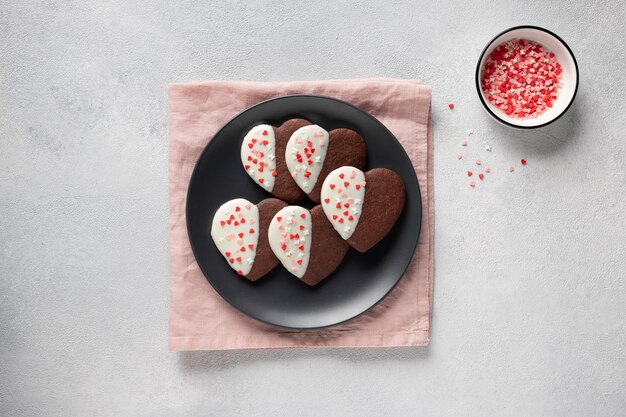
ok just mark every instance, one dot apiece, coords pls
pixel 263 158
pixel 363 207
pixel 312 153
pixel 239 230
pixel 305 243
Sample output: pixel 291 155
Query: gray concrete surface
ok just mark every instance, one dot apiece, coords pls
pixel 530 284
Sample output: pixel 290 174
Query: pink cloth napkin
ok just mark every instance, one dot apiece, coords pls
pixel 199 319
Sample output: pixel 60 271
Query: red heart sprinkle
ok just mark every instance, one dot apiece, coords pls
pixel 238 259
pixel 247 167
pixel 261 168
pixel 470 173
pixel 341 220
pixel 341 176
pixel 303 215
pixel 307 174
pixel 279 218
pixel 261 180
pixel 299 261
pixel 231 260
pixel 350 218
pixel 229 221
pixel 237 208
pixel 227 254
pixel 264 142
pixel 236 223
pixel 265 133
pixel 249 158
pixel 301 247
pixel 240 235
pixel 274 173
pixel 346 205
pixel 523 162
pixel 253 140
pixel 338 205
pixel 357 186
pixel 301 227
pixel 242 249
pixel 345 213
pixel 481 175
pixel 332 186
pixel 251 246
pixel 250 145
pixel 240 272
pixel 251 230
pixel 451 106
pixel 327 200
pixel 346 184
pixel 222 222
pixel 335 217
pixel 284 247
pixel 243 220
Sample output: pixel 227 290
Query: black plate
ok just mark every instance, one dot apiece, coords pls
pixel 279 298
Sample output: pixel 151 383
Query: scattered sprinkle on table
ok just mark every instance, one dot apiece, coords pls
pixel 511 169
pixel 481 176
pixel 470 173
pixel 464 143
pixel 521 78
pixel 478 162
pixel 451 106
pixel 472 183
pixel 459 156
pixel 524 162
pixel 487 170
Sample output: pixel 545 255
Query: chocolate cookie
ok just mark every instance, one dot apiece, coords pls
pixel 239 230
pixel 362 207
pixel 312 153
pixel 263 158
pixel 305 243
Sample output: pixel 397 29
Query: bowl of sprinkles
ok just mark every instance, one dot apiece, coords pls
pixel 526 77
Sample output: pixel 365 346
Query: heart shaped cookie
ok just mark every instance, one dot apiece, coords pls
pixel 305 243
pixel 312 153
pixel 239 230
pixel 362 207
pixel 263 158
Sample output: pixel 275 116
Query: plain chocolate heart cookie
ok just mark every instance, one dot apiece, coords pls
pixel 239 230
pixel 362 207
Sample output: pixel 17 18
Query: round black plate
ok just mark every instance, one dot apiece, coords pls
pixel 279 298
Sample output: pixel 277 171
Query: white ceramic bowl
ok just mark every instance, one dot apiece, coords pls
pixel 569 76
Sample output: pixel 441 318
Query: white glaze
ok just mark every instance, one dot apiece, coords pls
pixel 290 238
pixel 258 155
pixel 235 233
pixel 305 154
pixel 342 195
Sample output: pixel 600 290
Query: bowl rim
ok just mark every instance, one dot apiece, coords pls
pixel 480 93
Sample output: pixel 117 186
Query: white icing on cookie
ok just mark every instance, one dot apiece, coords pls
pixel 258 155
pixel 235 233
pixel 305 154
pixel 290 235
pixel 342 197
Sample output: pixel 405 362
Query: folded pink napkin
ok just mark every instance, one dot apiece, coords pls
pixel 199 319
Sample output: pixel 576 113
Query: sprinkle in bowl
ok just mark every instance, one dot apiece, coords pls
pixel 526 77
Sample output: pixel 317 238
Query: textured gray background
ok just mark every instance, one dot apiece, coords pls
pixel 530 288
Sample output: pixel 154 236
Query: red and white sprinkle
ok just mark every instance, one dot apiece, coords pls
pixel 478 162
pixel 472 183
pixel 487 170
pixel 521 78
